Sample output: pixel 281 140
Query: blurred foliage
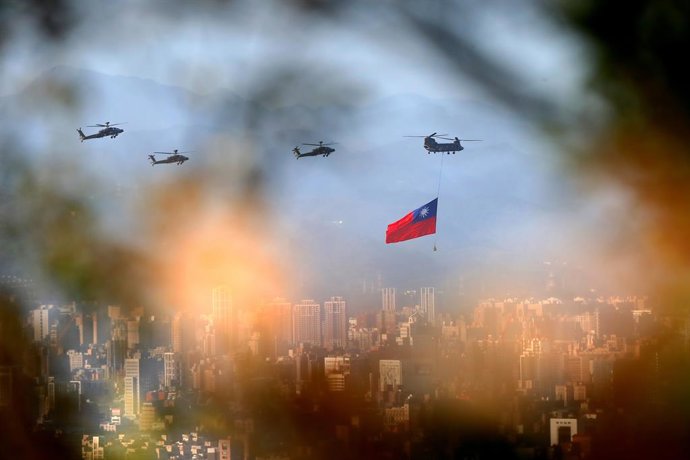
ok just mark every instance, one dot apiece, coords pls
pixel 56 232
pixel 53 19
pixel 638 69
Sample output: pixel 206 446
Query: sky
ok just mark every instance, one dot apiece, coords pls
pixel 228 48
pixel 186 77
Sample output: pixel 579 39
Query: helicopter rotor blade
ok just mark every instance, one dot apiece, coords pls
pixel 430 135
pixel 106 125
pixel 471 140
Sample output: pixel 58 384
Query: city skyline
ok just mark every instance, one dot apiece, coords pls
pixel 567 352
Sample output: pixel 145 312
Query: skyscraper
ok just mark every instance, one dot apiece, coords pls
pixel 176 333
pixel 133 333
pixel 278 316
pixel 388 299
pixel 76 360
pixel 306 322
pixel 87 327
pixel 335 323
pixel 171 370
pixel 224 319
pixel 132 383
pixel 117 347
pixel 41 322
pixel 390 373
pixel 428 304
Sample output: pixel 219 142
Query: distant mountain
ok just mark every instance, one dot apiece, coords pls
pixel 502 201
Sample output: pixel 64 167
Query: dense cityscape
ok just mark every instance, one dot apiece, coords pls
pixel 509 378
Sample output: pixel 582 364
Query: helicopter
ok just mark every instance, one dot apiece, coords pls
pixel 431 145
pixel 108 130
pixel 321 149
pixel 175 157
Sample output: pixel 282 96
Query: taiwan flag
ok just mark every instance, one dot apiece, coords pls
pixel 420 222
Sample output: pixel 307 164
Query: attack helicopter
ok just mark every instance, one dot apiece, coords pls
pixel 107 131
pixel 321 149
pixel 175 157
pixel 431 145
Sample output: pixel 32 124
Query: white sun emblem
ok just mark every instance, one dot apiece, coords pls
pixel 424 212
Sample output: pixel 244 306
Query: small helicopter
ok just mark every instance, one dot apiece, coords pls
pixel 175 157
pixel 321 149
pixel 431 145
pixel 108 130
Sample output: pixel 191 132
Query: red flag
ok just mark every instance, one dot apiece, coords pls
pixel 420 222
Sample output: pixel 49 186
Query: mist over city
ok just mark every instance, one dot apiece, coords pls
pixel 305 230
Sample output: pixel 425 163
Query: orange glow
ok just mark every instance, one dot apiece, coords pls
pixel 199 246
pixel 217 250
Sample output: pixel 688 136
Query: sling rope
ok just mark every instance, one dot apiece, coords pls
pixel 438 193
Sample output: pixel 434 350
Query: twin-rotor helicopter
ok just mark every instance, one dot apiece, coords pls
pixel 432 146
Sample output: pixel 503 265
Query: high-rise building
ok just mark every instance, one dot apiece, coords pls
pixel 73 392
pixel 428 304
pixel 76 360
pixel 116 348
pixel 388 299
pixel 171 370
pixel 114 312
pixel 335 323
pixel 133 333
pixel 148 416
pixel 336 371
pixel 94 326
pixel 132 384
pixel 575 369
pixel 224 449
pixel 182 339
pixel 279 319
pixel 41 322
pixel 86 325
pixel 562 430
pixel 390 373
pixel 177 333
pixel 224 319
pixel 306 322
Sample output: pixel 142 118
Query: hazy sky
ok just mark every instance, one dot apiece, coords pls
pixel 206 49
pixel 502 200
